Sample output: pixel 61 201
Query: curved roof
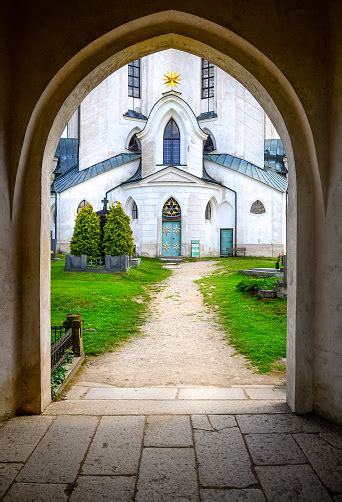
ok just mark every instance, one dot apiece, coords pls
pixel 266 175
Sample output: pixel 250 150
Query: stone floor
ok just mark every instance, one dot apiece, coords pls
pixel 163 444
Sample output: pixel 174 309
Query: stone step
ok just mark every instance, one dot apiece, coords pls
pixel 177 259
pixel 112 407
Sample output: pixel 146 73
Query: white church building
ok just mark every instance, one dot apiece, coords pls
pixel 186 150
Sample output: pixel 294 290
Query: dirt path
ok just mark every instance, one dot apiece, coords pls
pixel 183 344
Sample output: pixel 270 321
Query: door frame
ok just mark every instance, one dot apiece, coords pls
pixel 176 220
pixel 229 228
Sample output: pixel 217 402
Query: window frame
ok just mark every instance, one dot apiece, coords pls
pixel 208 80
pixel 257 213
pixel 133 68
pixel 134 211
pixel 84 203
pixel 208 212
pixel 171 144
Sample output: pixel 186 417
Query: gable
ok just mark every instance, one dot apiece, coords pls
pixel 172 176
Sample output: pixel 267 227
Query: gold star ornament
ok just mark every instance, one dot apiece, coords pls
pixel 172 79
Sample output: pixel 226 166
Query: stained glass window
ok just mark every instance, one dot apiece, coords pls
pixel 258 208
pixel 208 212
pixel 208 79
pixel 171 144
pixel 82 204
pixel 171 208
pixel 134 79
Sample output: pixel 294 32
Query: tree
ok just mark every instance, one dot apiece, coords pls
pixel 118 235
pixel 86 238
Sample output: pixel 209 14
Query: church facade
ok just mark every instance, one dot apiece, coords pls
pixel 181 145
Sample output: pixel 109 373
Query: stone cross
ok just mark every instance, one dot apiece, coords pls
pixel 105 202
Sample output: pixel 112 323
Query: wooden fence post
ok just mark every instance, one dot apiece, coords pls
pixel 74 321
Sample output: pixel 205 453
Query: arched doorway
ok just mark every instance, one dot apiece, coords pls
pixel 171 228
pixel 82 73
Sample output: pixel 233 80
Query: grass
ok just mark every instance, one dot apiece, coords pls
pixel 113 306
pixel 256 328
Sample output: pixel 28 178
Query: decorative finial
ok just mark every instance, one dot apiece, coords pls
pixel 172 79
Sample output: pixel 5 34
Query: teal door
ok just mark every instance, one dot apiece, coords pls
pixel 171 242
pixel 226 241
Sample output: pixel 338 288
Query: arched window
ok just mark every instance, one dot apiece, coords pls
pixel 82 204
pixel 257 207
pixel 171 209
pixel 208 212
pixel 134 211
pixel 209 145
pixel 134 144
pixel 171 144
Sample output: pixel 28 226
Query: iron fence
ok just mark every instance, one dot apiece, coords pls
pixel 62 341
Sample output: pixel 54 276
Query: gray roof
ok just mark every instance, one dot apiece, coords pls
pixel 207 116
pixel 274 155
pixel 266 176
pixel 135 115
pixel 75 177
pixel 67 154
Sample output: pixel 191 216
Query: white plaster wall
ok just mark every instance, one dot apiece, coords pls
pixel 238 129
pixel 270 130
pixel 150 200
pixel 264 234
pixel 191 136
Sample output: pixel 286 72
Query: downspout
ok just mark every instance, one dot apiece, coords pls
pixel 235 215
pixel 235 205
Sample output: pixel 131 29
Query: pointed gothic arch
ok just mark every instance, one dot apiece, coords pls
pixel 171 143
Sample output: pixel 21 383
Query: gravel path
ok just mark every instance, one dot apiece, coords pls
pixel 183 344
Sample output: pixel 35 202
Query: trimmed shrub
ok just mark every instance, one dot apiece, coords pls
pixel 117 233
pixel 252 285
pixel 86 238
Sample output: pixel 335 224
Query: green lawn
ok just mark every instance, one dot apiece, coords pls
pixel 257 329
pixel 113 306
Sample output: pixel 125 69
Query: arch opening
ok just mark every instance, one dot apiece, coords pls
pixel 280 104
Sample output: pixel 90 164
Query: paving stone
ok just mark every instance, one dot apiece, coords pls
pixel 289 483
pixel 333 438
pixel 212 393
pixel 76 392
pixel 132 393
pixel 58 456
pixel 274 449
pixel 19 436
pixel 8 473
pixel 284 423
pixel 201 422
pixel 116 447
pixel 324 458
pixel 163 407
pixel 223 459
pixel 244 495
pixel 222 421
pixel 168 431
pixel 37 492
pixel 101 488
pixel 167 474
pixel 268 393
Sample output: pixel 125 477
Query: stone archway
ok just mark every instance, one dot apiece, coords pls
pixel 167 29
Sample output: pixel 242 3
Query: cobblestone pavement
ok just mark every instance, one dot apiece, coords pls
pixel 252 449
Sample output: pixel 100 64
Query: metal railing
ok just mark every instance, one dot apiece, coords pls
pixel 66 338
pixel 63 341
